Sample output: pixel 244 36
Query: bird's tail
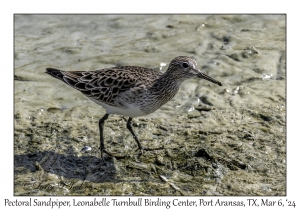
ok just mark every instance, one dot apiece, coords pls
pixel 56 73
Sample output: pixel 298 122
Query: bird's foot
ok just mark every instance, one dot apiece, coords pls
pixel 117 156
pixel 143 149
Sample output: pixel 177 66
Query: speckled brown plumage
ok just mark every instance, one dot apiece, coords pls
pixel 130 90
pixel 106 84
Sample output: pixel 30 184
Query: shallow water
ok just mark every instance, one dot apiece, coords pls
pixel 228 140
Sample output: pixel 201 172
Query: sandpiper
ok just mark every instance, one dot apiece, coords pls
pixel 131 91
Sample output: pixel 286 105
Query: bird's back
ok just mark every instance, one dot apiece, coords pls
pixel 106 85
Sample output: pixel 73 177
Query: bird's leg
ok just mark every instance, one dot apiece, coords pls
pixel 140 147
pixel 101 124
pixel 129 127
pixel 102 147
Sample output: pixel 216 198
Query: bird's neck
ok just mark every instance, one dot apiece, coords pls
pixel 163 90
pixel 166 84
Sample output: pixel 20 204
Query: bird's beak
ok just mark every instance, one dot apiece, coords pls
pixel 205 76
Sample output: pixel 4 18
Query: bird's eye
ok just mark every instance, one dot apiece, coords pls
pixel 185 65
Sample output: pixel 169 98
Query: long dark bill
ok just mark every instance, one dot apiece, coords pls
pixel 205 76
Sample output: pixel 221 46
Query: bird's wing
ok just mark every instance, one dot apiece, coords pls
pixel 104 85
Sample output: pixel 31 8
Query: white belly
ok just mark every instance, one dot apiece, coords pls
pixel 131 111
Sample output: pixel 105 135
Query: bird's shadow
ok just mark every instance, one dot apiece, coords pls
pixel 86 168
